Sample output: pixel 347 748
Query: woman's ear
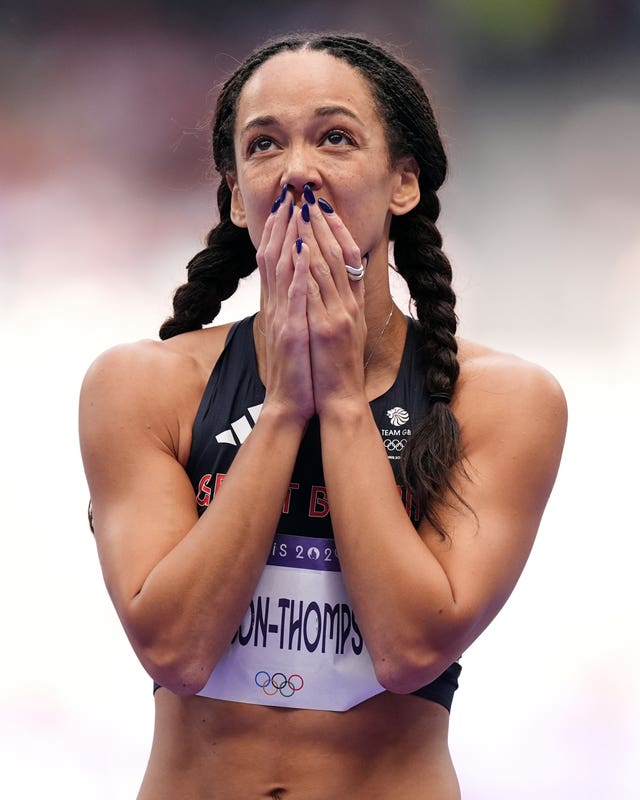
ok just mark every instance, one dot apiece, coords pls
pixel 238 214
pixel 406 191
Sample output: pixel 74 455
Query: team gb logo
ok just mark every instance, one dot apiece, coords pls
pixel 398 416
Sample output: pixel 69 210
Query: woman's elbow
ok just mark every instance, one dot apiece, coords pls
pixel 180 675
pixel 402 673
pixel 404 667
pixel 173 664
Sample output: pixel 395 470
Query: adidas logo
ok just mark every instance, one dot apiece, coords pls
pixel 241 428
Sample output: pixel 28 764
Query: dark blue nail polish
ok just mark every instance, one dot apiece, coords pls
pixel 299 245
pixel 309 196
pixel 283 193
pixel 326 207
pixel 290 209
pixel 305 212
pixel 275 206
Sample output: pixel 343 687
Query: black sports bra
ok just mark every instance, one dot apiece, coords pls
pixel 228 410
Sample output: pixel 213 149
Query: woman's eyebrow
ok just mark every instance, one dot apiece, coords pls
pixel 260 122
pixel 327 111
pixel 323 111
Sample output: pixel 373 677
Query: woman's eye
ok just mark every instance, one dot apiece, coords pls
pixel 338 137
pixel 260 145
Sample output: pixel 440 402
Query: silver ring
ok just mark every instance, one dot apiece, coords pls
pixel 354 273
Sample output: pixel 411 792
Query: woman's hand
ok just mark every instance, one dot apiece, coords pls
pixel 335 307
pixel 284 272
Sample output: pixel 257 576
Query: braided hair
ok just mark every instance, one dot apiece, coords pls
pixel 434 447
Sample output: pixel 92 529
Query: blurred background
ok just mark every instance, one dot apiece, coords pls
pixel 106 192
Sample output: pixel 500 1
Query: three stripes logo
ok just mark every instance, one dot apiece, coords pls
pixel 241 428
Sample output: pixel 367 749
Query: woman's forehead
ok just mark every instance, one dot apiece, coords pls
pixel 303 78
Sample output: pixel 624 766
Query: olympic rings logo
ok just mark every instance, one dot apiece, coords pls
pixel 395 444
pixel 278 682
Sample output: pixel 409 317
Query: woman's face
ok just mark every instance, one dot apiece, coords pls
pixel 305 116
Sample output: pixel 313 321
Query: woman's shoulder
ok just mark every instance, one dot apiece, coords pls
pixel 153 379
pixel 148 386
pixel 499 391
pixel 163 363
pixel 480 363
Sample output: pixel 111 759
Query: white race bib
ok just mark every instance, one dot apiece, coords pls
pixel 298 645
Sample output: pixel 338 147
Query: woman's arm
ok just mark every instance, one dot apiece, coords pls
pixel 181 584
pixel 421 600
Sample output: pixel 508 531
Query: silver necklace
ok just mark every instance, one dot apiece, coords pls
pixel 375 344
pixel 380 335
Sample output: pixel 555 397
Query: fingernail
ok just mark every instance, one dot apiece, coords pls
pixel 283 193
pixel 309 196
pixel 275 206
pixel 290 209
pixel 365 258
pixel 299 245
pixel 305 212
pixel 326 207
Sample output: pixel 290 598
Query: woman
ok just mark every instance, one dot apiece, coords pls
pixel 305 518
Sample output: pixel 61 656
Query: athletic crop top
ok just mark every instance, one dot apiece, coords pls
pixel 299 644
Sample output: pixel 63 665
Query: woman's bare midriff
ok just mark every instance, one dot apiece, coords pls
pixel 391 746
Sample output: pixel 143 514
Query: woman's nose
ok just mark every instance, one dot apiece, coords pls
pixel 300 171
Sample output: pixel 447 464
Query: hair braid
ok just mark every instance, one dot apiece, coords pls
pixel 434 446
pixel 213 273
